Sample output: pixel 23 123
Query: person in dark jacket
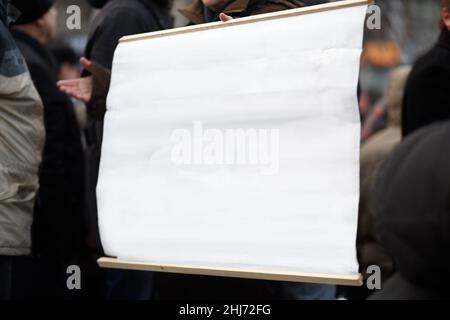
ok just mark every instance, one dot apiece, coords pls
pixel 427 94
pixel 117 18
pixel 411 205
pixel 58 229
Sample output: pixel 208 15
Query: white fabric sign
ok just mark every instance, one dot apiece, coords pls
pixel 236 147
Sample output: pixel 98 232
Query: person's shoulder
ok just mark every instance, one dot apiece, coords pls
pixel 131 9
pixel 14 65
pixel 125 16
pixel 436 57
pixel 428 68
pixel 288 4
pixel 268 6
pixel 38 66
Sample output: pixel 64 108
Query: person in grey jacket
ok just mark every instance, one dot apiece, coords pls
pixel 21 142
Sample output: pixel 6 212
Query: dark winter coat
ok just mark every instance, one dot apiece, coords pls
pixel 427 94
pixel 59 222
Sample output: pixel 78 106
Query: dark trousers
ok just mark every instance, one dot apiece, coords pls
pixel 5 277
pixel 128 285
pixel 45 278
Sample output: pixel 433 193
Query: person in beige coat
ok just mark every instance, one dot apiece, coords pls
pixel 373 152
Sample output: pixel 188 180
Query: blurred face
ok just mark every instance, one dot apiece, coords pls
pixel 48 23
pixel 214 4
pixel 445 16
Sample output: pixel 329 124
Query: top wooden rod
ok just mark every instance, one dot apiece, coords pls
pixel 261 17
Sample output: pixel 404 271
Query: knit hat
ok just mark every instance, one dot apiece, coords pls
pixel 31 10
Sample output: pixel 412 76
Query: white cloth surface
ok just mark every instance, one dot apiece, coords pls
pixel 296 75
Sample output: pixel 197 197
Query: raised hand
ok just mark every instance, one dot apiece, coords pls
pixel 224 17
pixel 80 88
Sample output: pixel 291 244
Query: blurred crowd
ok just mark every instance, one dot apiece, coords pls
pixel 52 106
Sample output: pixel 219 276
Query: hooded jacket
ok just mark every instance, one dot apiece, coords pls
pixel 411 205
pixel 21 143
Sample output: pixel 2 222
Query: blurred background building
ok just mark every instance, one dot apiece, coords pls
pixel 408 29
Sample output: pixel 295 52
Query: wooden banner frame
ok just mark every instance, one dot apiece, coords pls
pixel 345 280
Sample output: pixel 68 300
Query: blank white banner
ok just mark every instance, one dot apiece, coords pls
pixel 236 147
